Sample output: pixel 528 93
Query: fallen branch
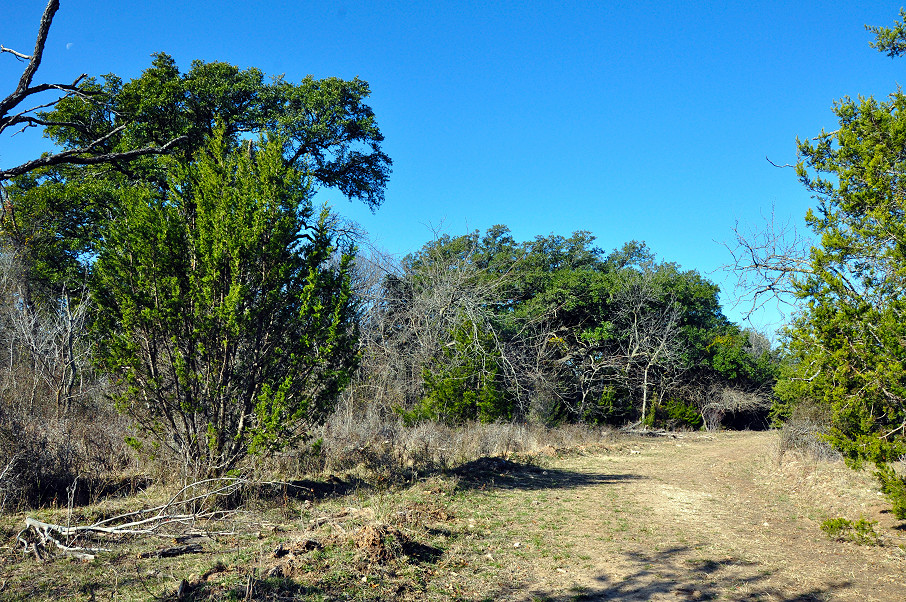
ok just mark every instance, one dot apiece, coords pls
pixel 178 519
pixel 158 521
pixel 43 531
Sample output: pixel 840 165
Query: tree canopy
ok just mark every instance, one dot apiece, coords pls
pixel 846 349
pixel 557 329
pixel 114 134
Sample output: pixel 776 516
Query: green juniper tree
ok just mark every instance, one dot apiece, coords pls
pixel 846 350
pixel 224 312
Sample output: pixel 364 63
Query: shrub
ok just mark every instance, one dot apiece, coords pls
pixel 860 532
pixel 894 487
pixel 676 413
pixel 463 383
pixel 804 432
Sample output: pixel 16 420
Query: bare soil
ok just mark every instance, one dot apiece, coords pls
pixel 698 517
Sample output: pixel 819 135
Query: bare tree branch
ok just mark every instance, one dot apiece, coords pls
pixel 18 55
pixel 10 115
pixel 767 263
pixel 22 90
pixel 775 165
pixel 76 156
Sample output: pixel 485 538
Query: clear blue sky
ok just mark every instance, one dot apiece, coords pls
pixel 634 120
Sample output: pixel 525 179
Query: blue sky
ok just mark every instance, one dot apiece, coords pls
pixel 633 120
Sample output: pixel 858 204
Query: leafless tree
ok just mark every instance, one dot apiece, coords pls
pixel 641 353
pixel 652 348
pixel 409 315
pixel 46 346
pixel 767 261
pixel 23 109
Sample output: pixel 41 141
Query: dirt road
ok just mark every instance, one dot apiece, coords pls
pixel 692 518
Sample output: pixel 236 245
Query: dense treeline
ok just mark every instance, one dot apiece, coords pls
pixel 481 326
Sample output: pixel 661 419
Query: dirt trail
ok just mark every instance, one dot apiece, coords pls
pixel 704 517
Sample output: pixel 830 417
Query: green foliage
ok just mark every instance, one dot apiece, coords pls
pixel 463 383
pixel 890 40
pixel 852 331
pixel 894 487
pixel 224 315
pixel 846 349
pixel 324 126
pixel 675 413
pixel 55 218
pixel 732 356
pixel 614 406
pixel 860 532
pixel 604 334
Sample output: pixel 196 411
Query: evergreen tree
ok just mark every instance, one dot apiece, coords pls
pixel 224 313
pixel 848 347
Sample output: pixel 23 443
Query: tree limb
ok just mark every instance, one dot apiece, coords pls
pixel 75 157
pixel 25 90
pixel 25 81
pixel 18 55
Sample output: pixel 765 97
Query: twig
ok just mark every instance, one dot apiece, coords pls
pixel 775 165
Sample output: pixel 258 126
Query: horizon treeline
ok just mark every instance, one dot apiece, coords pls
pixel 482 327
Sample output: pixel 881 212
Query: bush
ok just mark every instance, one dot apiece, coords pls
pixel 894 487
pixel 804 432
pixel 35 468
pixel 42 456
pixel 676 413
pixel 860 532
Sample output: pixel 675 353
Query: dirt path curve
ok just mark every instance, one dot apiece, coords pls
pixel 699 517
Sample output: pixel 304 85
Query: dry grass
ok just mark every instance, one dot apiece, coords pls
pixel 591 514
pixel 43 455
pixel 378 504
pixel 383 447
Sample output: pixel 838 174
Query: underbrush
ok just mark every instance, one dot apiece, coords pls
pixel 372 544
pixel 384 447
pixel 860 532
pixel 373 510
pixel 51 460
pixel 81 457
pixel 803 433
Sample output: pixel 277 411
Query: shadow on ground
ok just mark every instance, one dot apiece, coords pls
pixel 680 573
pixel 500 473
pixel 483 473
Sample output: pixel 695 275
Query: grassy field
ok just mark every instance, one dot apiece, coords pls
pixel 683 517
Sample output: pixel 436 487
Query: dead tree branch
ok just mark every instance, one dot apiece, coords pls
pixel 183 511
pixel 768 262
pixel 11 114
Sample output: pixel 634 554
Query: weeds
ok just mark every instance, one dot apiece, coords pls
pixel 861 532
pixel 804 432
